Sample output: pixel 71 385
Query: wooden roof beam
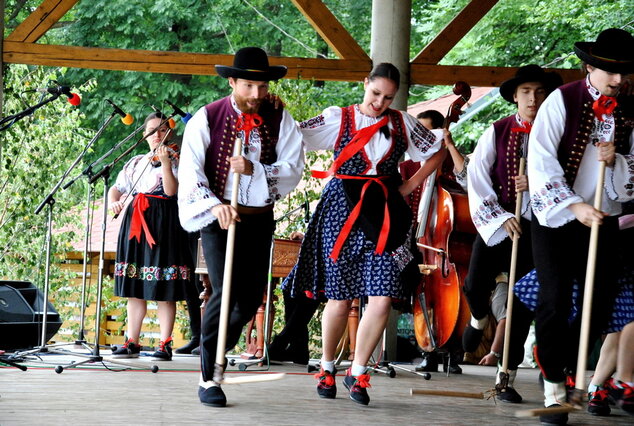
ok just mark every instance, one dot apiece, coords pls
pixel 41 20
pixel 173 62
pixel 454 32
pixel 476 76
pixel 330 29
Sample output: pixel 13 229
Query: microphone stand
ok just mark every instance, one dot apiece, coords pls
pixel 92 178
pixel 49 200
pixel 12 119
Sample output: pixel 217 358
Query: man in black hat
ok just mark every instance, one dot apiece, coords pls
pixel 494 182
pixel 270 164
pixel 579 125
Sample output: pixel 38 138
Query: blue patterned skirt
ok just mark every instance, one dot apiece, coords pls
pixel 527 290
pixel 358 271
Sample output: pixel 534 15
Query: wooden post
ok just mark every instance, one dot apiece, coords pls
pixel 390 41
pixel 1 74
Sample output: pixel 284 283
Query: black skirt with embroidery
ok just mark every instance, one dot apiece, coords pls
pixel 160 272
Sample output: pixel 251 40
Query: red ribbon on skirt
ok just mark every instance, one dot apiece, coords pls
pixel 140 205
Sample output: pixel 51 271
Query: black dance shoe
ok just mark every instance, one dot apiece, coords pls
pixel 189 347
pixel 212 397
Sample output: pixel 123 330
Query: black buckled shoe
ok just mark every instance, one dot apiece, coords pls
pixel 189 347
pixel 471 338
pixel 509 394
pixel 357 387
pixel 326 388
pixel 555 418
pixel 212 397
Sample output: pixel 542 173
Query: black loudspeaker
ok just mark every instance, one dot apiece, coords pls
pixel 21 313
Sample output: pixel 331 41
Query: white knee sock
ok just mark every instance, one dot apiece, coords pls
pixel 554 393
pixel 328 365
pixel 357 369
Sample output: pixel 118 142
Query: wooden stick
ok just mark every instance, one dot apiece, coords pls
pixel 474 395
pixel 512 272
pixel 582 357
pixel 226 278
pixel 545 411
pixel 226 296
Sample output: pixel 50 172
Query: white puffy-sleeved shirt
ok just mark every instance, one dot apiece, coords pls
pixel 321 133
pixel 138 175
pixel 550 193
pixel 267 183
pixel 486 212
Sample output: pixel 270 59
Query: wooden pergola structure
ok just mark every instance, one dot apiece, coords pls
pixel 21 46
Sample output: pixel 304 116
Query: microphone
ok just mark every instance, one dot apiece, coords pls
pixel 185 116
pixel 73 98
pixel 126 119
pixel 170 121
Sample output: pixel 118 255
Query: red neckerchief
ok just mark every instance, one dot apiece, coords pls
pixel 248 122
pixel 604 105
pixel 526 128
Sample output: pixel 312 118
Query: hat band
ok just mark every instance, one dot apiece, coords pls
pixel 607 59
pixel 252 70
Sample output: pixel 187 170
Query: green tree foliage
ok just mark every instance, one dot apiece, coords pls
pixel 36 152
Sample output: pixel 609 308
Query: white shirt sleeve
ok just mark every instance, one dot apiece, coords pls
pixel 195 199
pixel 486 212
pixel 550 193
pixel 321 132
pixel 423 143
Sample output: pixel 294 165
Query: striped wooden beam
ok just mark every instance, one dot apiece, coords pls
pixel 41 20
pixel 330 29
pixel 454 31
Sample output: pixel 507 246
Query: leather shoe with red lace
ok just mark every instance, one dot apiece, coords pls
pixel 326 388
pixel 598 402
pixel 622 394
pixel 357 386
pixel 164 351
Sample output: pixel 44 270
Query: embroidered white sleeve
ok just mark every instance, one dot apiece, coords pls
pixel 423 143
pixel 486 212
pixel 320 133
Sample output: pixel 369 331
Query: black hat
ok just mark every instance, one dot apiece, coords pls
pixel 251 63
pixel 526 74
pixel 612 52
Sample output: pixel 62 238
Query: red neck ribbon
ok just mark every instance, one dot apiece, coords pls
pixel 526 128
pixel 248 122
pixel 604 105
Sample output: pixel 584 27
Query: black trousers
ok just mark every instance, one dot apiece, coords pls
pixel 193 290
pixel 560 257
pixel 487 262
pixel 249 278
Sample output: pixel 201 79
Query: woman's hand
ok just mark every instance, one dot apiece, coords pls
pixel 116 207
pixel 447 139
pixel 162 152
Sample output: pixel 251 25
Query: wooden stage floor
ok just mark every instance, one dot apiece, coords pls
pixel 93 395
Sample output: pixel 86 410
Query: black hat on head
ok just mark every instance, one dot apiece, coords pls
pixel 613 51
pixel 526 74
pixel 251 63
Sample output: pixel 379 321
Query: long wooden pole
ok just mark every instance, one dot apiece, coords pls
pixel 223 324
pixel 582 357
pixel 512 273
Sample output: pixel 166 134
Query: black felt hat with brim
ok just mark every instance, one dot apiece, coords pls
pixel 530 74
pixel 251 63
pixel 613 51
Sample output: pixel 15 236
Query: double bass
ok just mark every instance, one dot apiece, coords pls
pixel 444 237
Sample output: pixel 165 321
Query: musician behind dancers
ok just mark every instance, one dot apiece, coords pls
pixel 152 261
pixel 494 182
pixel 270 165
pixel 579 125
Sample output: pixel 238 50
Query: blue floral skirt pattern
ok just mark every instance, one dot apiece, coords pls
pixel 358 271
pixel 527 290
